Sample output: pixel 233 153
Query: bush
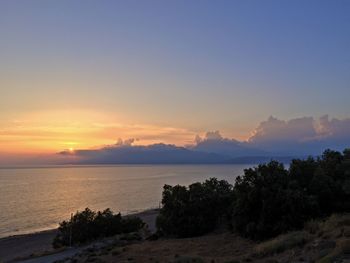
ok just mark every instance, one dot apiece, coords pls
pixel 131 224
pixel 88 225
pixel 194 210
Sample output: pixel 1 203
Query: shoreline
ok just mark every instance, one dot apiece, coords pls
pixel 25 245
pixel 45 229
pixel 29 234
pixel 26 233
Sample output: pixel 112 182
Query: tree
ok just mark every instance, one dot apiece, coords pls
pixel 194 210
pixel 266 201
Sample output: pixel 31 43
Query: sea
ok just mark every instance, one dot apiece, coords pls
pixel 34 199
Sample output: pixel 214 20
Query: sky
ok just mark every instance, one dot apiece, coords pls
pixel 82 74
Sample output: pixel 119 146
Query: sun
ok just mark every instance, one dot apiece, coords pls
pixel 71 149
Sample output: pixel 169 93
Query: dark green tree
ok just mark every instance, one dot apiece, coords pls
pixel 194 210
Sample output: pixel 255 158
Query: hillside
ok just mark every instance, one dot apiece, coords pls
pixel 320 241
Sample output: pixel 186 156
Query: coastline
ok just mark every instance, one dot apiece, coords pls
pixel 45 229
pixel 25 245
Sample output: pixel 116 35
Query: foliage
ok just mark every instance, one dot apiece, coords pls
pixel 194 210
pixel 270 200
pixel 266 201
pixel 89 225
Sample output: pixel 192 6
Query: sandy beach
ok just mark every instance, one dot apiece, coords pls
pixel 24 245
pixel 18 247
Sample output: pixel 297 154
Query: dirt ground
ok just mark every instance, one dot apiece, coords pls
pixel 217 248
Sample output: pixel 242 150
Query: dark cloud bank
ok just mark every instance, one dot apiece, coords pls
pixel 272 139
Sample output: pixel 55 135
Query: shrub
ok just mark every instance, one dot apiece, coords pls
pixel 131 224
pixel 88 225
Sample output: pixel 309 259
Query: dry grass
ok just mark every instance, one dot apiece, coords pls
pixel 218 248
pixel 337 220
pixel 336 226
pixel 282 243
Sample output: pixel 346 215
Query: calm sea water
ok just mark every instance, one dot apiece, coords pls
pixel 34 199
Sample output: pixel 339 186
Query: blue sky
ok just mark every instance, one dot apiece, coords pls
pixel 193 65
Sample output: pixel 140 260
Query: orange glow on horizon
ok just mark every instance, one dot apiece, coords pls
pixel 55 131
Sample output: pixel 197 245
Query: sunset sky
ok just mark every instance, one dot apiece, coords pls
pixel 82 74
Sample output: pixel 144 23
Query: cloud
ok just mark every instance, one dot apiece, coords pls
pixel 215 135
pixel 214 142
pixel 128 142
pixel 301 135
pixel 272 138
pixel 210 135
pixel 295 130
pixel 334 128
